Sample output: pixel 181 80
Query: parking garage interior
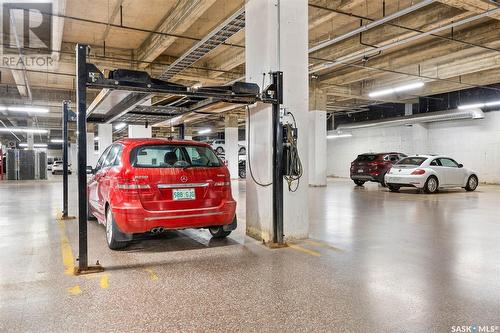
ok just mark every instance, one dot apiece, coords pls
pixel 355 143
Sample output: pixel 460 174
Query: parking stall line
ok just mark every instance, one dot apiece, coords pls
pixel 304 250
pixel 66 251
pixel 323 245
pixel 152 274
pixel 104 281
pixel 75 290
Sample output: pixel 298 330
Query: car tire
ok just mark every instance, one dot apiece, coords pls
pixel 472 183
pixel 242 173
pixel 393 188
pixel 382 181
pixel 112 232
pixel 358 182
pixel 218 232
pixel 219 150
pixel 431 186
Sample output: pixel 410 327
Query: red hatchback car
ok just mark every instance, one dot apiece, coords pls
pixel 373 167
pixel 153 185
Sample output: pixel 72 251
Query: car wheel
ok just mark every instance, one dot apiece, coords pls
pixel 112 232
pixel 359 182
pixel 472 183
pixel 393 188
pixel 242 173
pixel 382 181
pixel 243 151
pixel 219 150
pixel 218 232
pixel 431 185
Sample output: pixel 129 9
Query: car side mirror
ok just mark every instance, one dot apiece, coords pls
pixel 460 165
pixel 90 170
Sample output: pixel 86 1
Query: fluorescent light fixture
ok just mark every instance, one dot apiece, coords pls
pixel 29 109
pixel 57 141
pixel 96 138
pixel 3 108
pixel 336 136
pixel 478 105
pixel 23 130
pixel 405 87
pixel 120 126
pixel 204 131
pixel 36 145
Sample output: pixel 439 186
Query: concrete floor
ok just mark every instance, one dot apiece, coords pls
pixel 376 262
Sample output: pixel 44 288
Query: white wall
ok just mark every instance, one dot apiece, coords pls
pixel 474 143
pixel 51 153
pixel 139 131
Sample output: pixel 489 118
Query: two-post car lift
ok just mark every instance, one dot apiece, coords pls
pixel 89 77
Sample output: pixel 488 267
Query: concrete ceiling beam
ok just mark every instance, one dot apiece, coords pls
pixel 483 34
pixel 473 6
pixel 179 19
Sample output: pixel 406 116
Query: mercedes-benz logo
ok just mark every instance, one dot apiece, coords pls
pixel 184 179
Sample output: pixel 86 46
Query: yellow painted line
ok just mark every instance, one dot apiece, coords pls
pixel 104 281
pixel 75 290
pixel 152 274
pixel 67 253
pixel 304 250
pixel 323 245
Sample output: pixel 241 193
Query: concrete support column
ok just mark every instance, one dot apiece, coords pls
pixel 188 137
pixel 30 138
pixel 408 109
pixel 317 135
pixel 72 152
pixel 231 144
pixel 276 37
pixel 91 155
pixel 105 134
pixel 139 131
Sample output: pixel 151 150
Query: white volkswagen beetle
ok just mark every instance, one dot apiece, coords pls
pixel 430 173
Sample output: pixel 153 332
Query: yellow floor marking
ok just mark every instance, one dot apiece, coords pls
pixel 75 290
pixel 104 281
pixel 67 253
pixel 152 274
pixel 323 245
pixel 302 249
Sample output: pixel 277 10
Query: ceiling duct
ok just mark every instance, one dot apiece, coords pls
pixel 429 117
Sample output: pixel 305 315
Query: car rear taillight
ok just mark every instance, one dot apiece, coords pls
pixel 418 172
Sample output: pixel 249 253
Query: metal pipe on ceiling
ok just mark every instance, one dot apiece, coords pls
pixel 372 25
pixel 379 49
pixel 429 117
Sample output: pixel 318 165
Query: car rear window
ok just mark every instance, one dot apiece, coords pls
pixel 366 158
pixel 173 156
pixel 412 161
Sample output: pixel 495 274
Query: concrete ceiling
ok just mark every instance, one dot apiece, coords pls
pixel 151 35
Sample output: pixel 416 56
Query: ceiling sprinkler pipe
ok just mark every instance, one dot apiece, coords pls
pixel 416 119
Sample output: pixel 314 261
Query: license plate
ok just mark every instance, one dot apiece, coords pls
pixel 360 171
pixel 183 194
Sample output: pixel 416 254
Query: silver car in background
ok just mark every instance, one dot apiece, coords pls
pixel 429 172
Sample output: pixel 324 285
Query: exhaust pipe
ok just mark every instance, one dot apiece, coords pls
pixel 158 230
